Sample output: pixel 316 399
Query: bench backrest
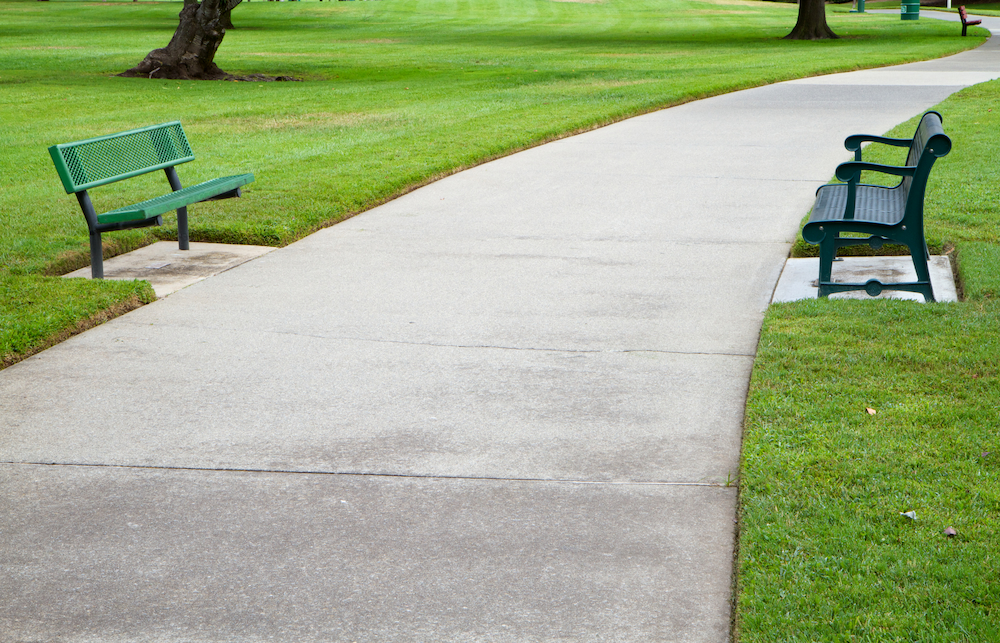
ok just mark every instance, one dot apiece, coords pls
pixel 929 143
pixel 97 161
pixel 961 12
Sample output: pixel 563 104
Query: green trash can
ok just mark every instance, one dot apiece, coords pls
pixel 909 10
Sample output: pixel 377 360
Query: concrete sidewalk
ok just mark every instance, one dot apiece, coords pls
pixel 504 407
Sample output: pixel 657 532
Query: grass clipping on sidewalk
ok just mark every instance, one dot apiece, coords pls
pixel 862 411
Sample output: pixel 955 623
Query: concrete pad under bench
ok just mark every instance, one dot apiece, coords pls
pixel 169 269
pixel 798 279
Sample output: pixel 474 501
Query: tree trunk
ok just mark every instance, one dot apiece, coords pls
pixel 811 24
pixel 191 51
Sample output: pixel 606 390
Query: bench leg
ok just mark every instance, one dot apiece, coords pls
pixel 96 256
pixel 182 229
pixel 182 213
pixel 827 253
pixel 919 256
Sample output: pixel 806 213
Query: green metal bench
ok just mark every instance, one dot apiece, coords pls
pixel 106 159
pixel 886 214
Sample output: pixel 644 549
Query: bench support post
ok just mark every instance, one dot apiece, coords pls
pixel 96 256
pixel 827 253
pixel 96 248
pixel 920 254
pixel 182 229
pixel 182 212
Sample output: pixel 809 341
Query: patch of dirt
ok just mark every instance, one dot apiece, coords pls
pixel 321 119
pixel 261 78
pixel 644 54
pixel 217 74
pixel 621 83
pixel 733 2
pixel 278 54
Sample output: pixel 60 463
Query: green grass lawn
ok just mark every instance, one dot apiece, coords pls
pixel 394 94
pixel 824 553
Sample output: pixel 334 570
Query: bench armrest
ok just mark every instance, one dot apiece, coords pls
pixel 850 172
pixel 853 142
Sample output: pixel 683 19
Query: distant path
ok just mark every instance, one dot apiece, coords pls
pixel 501 408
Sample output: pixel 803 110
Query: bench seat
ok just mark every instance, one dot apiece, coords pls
pixel 881 205
pixel 185 196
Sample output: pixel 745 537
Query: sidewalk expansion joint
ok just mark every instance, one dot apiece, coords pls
pixel 361 474
pixel 527 348
pixel 347 338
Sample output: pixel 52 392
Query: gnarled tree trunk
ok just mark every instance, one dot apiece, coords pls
pixel 191 52
pixel 811 24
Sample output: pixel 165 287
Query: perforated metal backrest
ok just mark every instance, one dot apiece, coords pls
pixel 97 161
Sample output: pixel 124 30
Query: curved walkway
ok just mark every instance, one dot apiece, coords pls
pixel 504 407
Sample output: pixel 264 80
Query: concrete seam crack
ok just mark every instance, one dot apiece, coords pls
pixel 651 483
pixel 348 338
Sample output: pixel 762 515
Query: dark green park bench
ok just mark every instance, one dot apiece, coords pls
pixel 106 159
pixel 885 214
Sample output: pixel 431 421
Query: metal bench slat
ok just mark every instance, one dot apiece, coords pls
pixel 874 204
pixel 168 202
